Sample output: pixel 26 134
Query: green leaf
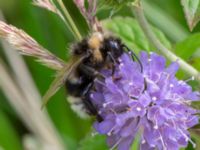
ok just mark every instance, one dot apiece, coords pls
pixel 131 34
pixel 9 140
pixel 189 50
pixel 163 14
pixel 195 62
pixel 196 105
pixel 188 47
pixel 113 4
pixel 196 138
pixel 136 143
pixel 97 142
pixel 192 12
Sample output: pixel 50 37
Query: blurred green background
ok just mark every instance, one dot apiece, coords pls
pixel 50 32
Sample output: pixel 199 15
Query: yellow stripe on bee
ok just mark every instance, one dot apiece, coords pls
pixel 95 40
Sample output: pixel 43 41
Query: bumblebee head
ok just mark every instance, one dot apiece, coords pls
pixel 114 46
pixel 100 45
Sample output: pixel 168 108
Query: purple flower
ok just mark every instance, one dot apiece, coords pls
pixel 152 104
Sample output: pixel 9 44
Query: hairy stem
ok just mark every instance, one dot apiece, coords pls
pixel 139 14
pixel 70 20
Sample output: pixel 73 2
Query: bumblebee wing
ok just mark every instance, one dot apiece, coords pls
pixel 61 78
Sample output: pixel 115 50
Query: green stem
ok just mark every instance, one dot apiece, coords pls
pixel 139 14
pixel 70 20
pixel 66 23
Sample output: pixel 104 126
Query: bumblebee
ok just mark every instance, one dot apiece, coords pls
pixel 88 57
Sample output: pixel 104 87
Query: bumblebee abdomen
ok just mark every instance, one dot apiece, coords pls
pixel 80 48
pixel 78 91
pixel 77 105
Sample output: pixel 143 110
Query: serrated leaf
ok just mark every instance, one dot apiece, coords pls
pixel 131 33
pixel 91 142
pixel 192 12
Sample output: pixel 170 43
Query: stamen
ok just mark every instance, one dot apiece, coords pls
pixel 143 142
pixel 131 83
pixel 171 85
pixel 105 104
pixel 187 138
pixel 121 65
pixel 193 144
pixel 110 132
pixel 184 82
pixel 181 82
pixel 156 127
pixel 180 100
pixel 112 110
pixel 92 95
pixel 152 145
pixel 116 144
pixel 162 141
pixel 190 79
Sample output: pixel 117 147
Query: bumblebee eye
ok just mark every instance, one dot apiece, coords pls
pixel 114 45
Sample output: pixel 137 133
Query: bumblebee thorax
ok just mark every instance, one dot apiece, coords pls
pixel 94 43
pixel 95 40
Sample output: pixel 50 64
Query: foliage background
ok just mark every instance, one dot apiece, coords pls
pixel 50 32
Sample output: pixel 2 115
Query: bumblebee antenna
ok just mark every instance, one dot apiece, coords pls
pixel 134 56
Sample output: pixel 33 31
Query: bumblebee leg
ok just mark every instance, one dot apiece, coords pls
pixel 75 88
pixel 91 72
pixel 89 105
pixel 87 101
pixel 134 56
pixel 87 88
pixel 113 60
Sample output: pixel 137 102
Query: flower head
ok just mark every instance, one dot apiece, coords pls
pixel 152 103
